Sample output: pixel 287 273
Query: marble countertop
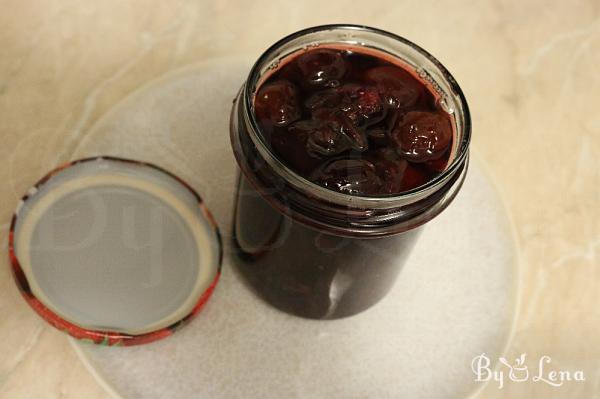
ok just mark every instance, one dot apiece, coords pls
pixel 530 73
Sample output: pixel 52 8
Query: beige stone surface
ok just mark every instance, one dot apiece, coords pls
pixel 529 70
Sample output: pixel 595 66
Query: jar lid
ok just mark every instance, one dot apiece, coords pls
pixel 114 251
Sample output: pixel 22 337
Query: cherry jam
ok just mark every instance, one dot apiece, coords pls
pixel 332 127
pixel 354 122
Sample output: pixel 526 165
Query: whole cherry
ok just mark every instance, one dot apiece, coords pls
pixel 277 102
pixel 322 138
pixel 338 120
pixel 349 176
pixel 322 67
pixel 422 136
pixel 399 88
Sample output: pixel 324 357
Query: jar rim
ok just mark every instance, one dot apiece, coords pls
pixel 368 200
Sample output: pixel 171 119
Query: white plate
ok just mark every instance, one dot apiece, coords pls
pixel 455 298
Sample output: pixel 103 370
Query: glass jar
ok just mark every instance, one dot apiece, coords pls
pixel 314 252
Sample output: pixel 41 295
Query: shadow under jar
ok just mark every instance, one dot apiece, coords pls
pixel 317 252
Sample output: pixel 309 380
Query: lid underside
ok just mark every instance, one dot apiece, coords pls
pixel 112 245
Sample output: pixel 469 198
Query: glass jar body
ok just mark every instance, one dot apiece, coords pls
pixel 309 272
pixel 317 253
